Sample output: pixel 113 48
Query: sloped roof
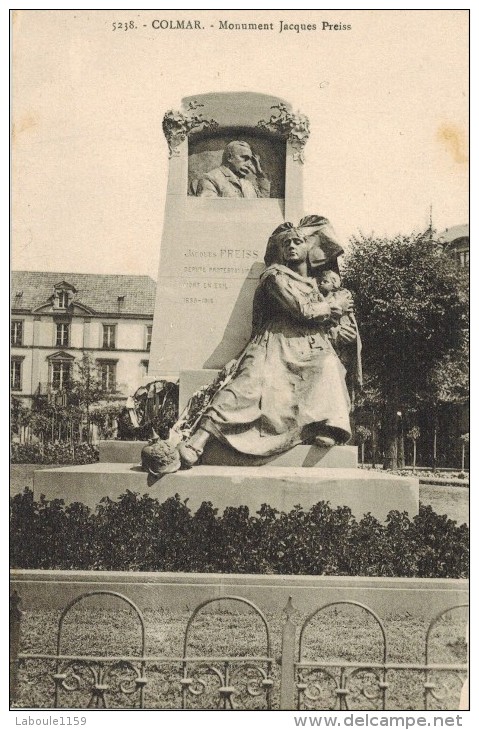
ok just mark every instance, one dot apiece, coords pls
pixel 453 233
pixel 98 292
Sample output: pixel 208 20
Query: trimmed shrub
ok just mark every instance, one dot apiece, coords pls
pixel 58 452
pixel 25 454
pixel 139 533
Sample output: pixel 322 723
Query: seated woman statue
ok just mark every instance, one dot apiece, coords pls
pixel 288 385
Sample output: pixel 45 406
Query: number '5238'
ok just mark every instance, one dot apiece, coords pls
pixel 129 25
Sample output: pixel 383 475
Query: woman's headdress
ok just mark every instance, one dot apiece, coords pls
pixel 318 232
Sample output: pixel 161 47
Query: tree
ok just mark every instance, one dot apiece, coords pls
pixel 464 443
pixel 61 418
pixel 449 379
pixel 86 388
pixel 370 405
pixel 412 308
pixel 362 434
pixel 413 435
pixel 105 417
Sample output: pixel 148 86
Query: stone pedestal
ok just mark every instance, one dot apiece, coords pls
pixel 212 249
pixel 304 475
pixel 335 457
pixel 121 452
pixel 280 487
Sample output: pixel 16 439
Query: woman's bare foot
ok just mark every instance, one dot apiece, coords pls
pixel 189 455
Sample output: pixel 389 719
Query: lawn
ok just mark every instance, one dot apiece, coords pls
pixel 344 633
pixel 21 475
pixel 450 501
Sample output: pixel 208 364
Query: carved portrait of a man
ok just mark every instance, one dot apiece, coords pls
pixel 240 175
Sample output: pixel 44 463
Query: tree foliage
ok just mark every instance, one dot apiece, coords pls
pixel 412 306
pixel 86 386
pixel 67 415
pixel 363 433
pixel 449 378
pixel 413 433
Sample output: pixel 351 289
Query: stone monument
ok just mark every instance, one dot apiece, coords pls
pixel 235 176
pixel 215 232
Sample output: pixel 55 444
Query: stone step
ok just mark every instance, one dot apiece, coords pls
pixel 121 452
pixel 335 457
pixel 280 487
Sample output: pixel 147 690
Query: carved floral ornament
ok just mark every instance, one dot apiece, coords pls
pixel 294 128
pixel 178 125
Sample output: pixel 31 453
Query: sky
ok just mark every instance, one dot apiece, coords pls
pixel 387 102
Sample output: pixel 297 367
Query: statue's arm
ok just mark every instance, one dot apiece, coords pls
pixel 206 189
pixel 347 343
pixel 347 331
pixel 291 299
pixel 345 300
pixel 348 327
pixel 262 183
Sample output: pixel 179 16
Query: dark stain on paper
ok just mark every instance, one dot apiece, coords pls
pixel 454 141
pixel 26 122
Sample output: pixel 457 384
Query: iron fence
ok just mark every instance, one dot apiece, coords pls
pixel 293 680
pixel 365 685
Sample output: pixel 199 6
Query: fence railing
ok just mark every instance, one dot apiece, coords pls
pixel 293 680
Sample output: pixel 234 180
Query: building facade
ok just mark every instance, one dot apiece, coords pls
pixel 59 317
pixel 455 243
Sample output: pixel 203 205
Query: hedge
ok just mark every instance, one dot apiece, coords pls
pixel 59 452
pixel 139 533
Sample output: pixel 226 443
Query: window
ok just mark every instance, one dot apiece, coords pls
pixel 149 330
pixel 60 374
pixel 63 294
pixel 144 367
pixel 63 334
pixel 62 299
pixel 108 376
pixel 16 374
pixel 16 332
pixel 109 333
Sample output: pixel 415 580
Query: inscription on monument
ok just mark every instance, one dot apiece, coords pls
pixel 193 300
pixel 212 282
pixel 228 253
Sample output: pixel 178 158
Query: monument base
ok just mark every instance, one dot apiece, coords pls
pixel 334 457
pixel 280 487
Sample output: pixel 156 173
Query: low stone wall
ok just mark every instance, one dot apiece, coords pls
pixel 420 597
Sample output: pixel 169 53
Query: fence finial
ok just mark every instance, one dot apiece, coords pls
pixel 289 610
